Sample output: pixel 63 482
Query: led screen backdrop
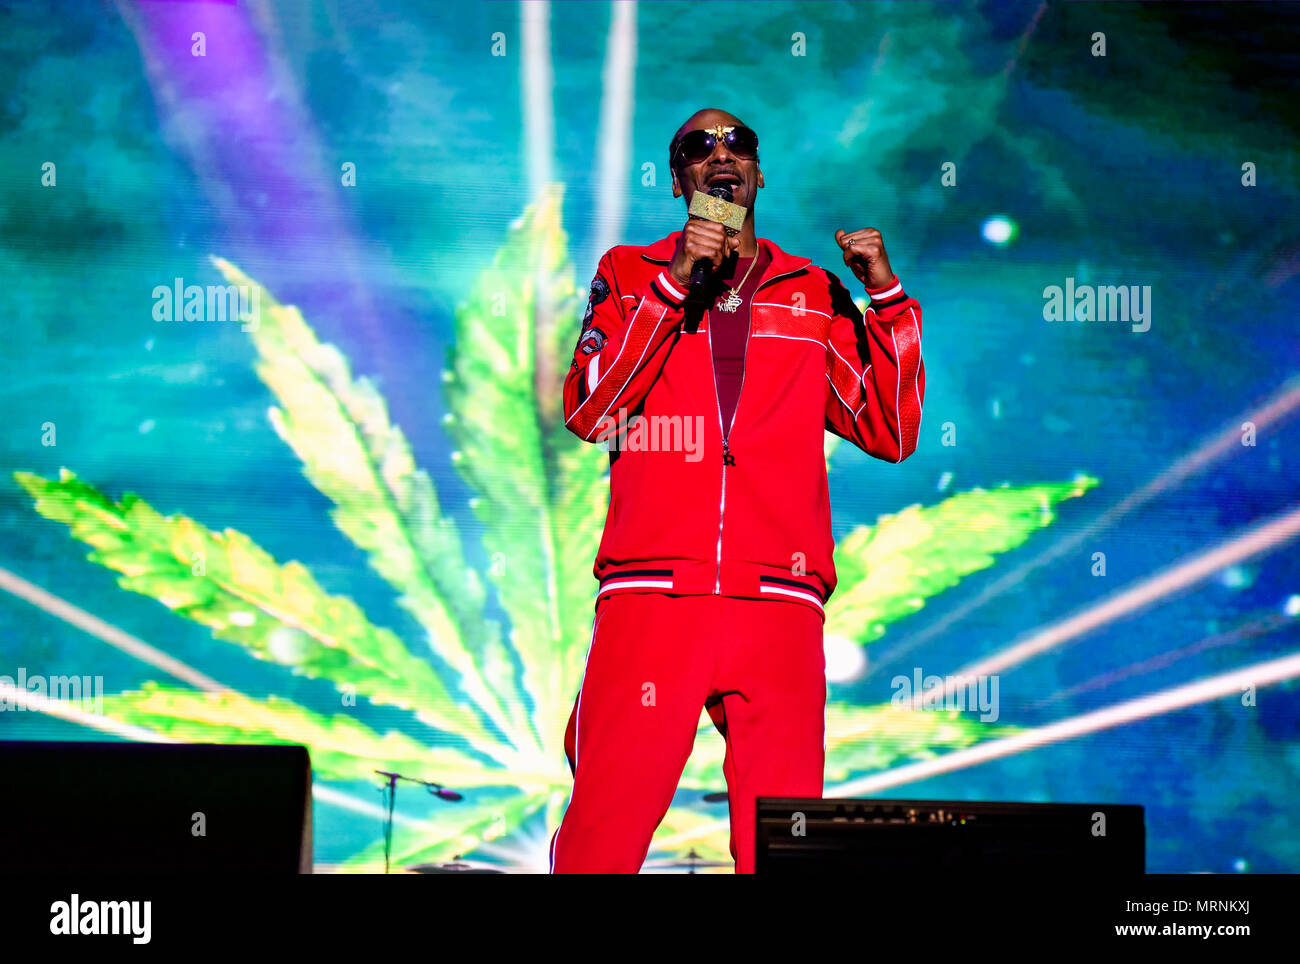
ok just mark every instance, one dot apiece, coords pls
pixel 334 502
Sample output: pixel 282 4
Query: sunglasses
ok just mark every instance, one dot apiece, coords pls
pixel 698 145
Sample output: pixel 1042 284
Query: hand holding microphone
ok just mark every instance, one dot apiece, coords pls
pixel 702 246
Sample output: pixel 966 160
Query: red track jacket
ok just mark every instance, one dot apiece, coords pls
pixel 740 510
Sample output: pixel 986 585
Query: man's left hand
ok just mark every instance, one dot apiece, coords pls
pixel 864 255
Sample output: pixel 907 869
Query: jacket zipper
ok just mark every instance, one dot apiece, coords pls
pixel 726 431
pixel 727 458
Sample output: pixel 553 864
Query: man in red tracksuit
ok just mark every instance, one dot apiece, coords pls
pixel 716 559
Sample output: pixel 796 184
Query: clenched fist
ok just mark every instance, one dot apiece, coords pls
pixel 864 255
pixel 700 239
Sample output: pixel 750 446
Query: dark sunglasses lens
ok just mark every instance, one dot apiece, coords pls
pixel 743 141
pixel 696 146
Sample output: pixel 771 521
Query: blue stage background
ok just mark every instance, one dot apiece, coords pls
pixel 390 168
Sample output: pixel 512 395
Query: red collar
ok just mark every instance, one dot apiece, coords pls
pixel 662 252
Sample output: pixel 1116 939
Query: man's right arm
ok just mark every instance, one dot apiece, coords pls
pixel 625 339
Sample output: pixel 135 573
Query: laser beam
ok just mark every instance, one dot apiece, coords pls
pixel 1166 701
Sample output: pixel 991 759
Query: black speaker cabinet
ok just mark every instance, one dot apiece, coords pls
pixel 917 837
pixel 154 808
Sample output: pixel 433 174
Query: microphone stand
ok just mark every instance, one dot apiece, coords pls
pixel 437 789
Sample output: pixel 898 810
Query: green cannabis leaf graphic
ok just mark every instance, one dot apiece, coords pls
pixel 501 695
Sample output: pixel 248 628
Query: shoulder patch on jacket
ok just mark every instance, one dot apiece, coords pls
pixel 592 341
pixel 599 292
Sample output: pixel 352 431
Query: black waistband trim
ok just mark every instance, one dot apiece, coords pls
pixel 622 573
pixel 796 583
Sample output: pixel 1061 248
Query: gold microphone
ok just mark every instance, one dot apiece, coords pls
pixel 718 207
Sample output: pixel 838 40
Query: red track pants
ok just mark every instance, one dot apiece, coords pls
pixel 655 661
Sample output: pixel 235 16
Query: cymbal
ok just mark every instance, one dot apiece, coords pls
pixel 456 867
pixel 685 864
pixel 692 861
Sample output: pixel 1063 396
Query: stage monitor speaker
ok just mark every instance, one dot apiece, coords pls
pixel 154 808
pixel 916 837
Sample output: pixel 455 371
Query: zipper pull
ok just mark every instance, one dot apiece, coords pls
pixel 727 457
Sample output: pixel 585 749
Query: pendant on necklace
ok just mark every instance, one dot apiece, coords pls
pixel 730 303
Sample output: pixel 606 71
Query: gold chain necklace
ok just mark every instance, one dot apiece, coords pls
pixel 733 299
